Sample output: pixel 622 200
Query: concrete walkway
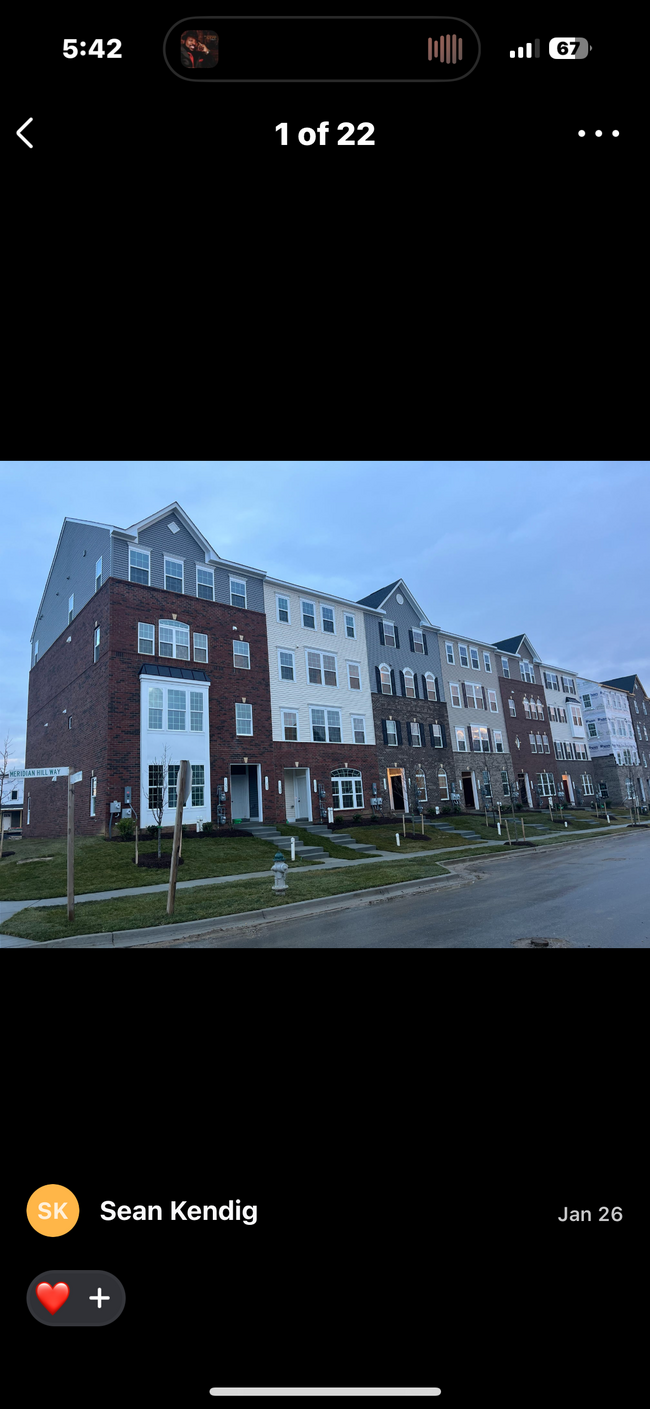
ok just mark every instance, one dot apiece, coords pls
pixel 10 907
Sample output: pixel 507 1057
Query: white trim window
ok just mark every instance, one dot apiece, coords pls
pixel 358 728
pixel 139 560
pixel 581 750
pixel 593 732
pixel 241 655
pixel 282 609
pixel 196 711
pixel 391 732
pixel 146 639
pixel 308 614
pixel 386 683
pixel 513 708
pixel 474 695
pixel 415 735
pixel 421 783
pixel 505 782
pixel 505 666
pixel 450 653
pixel 533 745
pixel 243 719
pixel 527 672
pixel 480 739
pixel 326 726
pixel 587 784
pixel 198 784
pixel 547 746
pixel 558 749
pixel 238 592
pixel 546 784
pixel 98 574
pixel 437 736
pixel 586 700
pixel 540 710
pixel 347 789
pixel 551 681
pixel 487 662
pixel 176 709
pixel 463 656
pixel 454 691
pixel 70 607
pixel 527 708
pixel 350 626
pixel 473 655
pixel 93 795
pixel 172 777
pixel 156 785
pixel 461 742
pixel 431 686
pixel 174 640
pixel 174 570
pixel 155 707
pixel 540 746
pixel 443 785
pixel 205 583
pixel 286 665
pixel 327 620
pixel 418 641
pixel 492 697
pixel 498 740
pixel 96 645
pixel 354 675
pixel 409 684
pixel 200 647
pixel 568 685
pixel 389 633
pixel 576 716
pixel 321 668
pixel 289 725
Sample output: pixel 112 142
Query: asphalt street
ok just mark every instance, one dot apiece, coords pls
pixel 593 895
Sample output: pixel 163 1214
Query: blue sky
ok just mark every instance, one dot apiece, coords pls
pixel 488 547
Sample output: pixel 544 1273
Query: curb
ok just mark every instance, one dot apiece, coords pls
pixel 126 939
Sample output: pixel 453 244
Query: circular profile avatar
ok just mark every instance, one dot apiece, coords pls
pixel 199 49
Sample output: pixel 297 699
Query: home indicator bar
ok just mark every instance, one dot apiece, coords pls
pixel 321 49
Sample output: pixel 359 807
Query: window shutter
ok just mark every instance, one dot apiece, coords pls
pixel 431 736
pixel 423 730
pixel 399 731
pixel 396 637
pixel 490 738
pixel 470 741
pixel 381 633
pixel 402 682
pixel 437 687
pixel 384 730
pixel 485 700
pixel 444 736
pixel 392 681
pixel 425 695
pixel 377 673
pixel 408 733
pixel 415 684
pixel 464 693
pixel 411 639
pixel 426 648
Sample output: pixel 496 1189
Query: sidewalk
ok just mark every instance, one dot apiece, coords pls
pixel 441 854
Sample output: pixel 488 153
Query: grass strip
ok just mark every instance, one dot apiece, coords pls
pixel 341 853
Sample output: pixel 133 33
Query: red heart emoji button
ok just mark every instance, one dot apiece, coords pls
pixel 52 1297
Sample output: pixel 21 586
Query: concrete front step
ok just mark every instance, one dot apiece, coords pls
pixel 269 833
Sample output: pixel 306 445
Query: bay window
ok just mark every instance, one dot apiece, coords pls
pixel 176 701
pixel 155 708
pixel 196 711
pixel 198 784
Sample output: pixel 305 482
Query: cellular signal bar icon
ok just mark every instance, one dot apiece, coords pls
pixel 519 53
pixel 448 50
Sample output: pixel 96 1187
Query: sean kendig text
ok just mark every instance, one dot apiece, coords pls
pixel 231 1211
pixel 583 1215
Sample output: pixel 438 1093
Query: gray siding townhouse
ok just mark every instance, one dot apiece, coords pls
pixel 627 770
pixel 482 765
pixel 409 706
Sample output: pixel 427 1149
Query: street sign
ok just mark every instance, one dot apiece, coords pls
pixel 76 778
pixel 39 772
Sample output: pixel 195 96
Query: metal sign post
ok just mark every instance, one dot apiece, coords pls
pixel 183 786
pixel 72 779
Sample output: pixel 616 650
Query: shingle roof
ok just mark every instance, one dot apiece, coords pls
pixel 376 598
pixel 177 672
pixel 625 682
pixel 512 644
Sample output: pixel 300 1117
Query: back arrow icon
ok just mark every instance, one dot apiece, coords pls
pixel 20 130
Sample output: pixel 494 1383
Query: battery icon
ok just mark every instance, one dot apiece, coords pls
pixel 569 48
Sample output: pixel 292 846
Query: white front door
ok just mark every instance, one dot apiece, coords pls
pixel 300 793
pixel 239 794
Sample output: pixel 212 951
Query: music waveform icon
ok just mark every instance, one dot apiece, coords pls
pixel 448 49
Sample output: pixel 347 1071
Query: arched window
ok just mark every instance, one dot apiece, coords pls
pixel 173 640
pixel 386 687
pixel 421 784
pixel 526 708
pixel 409 684
pixel 540 710
pixel 431 685
pixel 347 789
pixel 443 786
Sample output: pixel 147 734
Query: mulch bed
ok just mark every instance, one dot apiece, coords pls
pixel 5 854
pixel 158 863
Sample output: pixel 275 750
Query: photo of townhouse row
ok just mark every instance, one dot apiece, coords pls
pixel 149 647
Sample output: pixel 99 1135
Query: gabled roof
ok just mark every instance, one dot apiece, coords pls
pixel 624 682
pixel 514 644
pixel 175 508
pixel 311 591
pixel 376 600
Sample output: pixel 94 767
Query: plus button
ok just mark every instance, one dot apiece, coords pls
pixel 99 1298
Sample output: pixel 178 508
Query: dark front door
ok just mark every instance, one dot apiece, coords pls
pixel 398 792
pixel 468 792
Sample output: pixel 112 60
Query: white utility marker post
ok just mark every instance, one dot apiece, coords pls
pixel 183 786
pixel 293 848
pixel 72 779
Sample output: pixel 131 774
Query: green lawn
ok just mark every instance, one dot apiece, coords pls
pixel 341 853
pixel 102 865
pixel 140 911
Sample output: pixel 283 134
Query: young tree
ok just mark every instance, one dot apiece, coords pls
pixel 155 796
pixel 4 774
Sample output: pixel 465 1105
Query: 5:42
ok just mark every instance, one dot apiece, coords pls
pixel 70 49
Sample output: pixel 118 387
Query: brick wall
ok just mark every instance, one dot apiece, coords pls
pixel 405 756
pixel 321 760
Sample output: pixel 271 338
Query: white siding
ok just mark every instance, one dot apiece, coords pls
pixel 179 744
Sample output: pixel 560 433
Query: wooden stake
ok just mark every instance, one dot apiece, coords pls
pixel 404 822
pixel 181 786
pixel 70 849
pixel 507 831
pixel 523 833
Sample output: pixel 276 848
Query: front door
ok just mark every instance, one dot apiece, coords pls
pixel 565 785
pixel 397 790
pixel 239 798
pixel 300 793
pixel 468 792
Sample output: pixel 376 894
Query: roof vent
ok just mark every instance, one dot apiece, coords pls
pixel 173 527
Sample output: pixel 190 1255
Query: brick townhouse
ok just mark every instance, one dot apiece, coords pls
pixel 149 648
